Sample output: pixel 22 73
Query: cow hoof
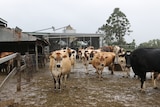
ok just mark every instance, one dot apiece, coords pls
pixel 100 79
pixel 123 76
pixel 60 89
pixel 155 87
pixel 87 73
pixel 142 90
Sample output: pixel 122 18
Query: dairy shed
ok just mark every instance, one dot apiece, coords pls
pixel 69 38
pixel 14 40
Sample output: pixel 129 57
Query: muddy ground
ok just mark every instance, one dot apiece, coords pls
pixel 81 91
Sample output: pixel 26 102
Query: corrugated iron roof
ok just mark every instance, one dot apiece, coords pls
pixel 8 34
pixel 3 22
pixel 66 34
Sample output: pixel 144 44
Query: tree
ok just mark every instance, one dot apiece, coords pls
pixel 116 27
pixel 155 43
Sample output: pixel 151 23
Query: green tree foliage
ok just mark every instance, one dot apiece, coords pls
pixel 155 43
pixel 116 27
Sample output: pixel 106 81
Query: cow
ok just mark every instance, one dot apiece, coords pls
pixel 85 57
pixel 60 67
pixel 122 59
pixel 127 62
pixel 73 57
pixel 124 62
pixel 145 60
pixel 55 70
pixel 101 60
pixel 118 51
pixel 3 54
pixel 155 76
pixel 6 66
pixel 107 48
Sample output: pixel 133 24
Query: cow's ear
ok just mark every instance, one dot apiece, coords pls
pixel 51 56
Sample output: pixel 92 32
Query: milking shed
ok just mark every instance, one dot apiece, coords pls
pixel 14 40
pixel 69 38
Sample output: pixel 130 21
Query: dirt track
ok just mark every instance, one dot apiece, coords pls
pixel 81 91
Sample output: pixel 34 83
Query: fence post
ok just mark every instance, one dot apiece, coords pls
pixel 28 66
pixel 18 64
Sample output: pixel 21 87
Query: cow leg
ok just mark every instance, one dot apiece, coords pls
pixel 87 72
pixel 143 84
pixel 155 84
pixel 59 82
pixel 54 83
pixel 97 73
pixel 111 67
pixel 65 79
pixel 154 76
pixel 127 71
pixel 100 75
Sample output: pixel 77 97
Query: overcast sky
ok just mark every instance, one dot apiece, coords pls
pixel 86 16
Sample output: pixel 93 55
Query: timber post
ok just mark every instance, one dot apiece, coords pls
pixel 18 65
pixel 28 66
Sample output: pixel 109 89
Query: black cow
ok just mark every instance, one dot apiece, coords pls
pixel 145 60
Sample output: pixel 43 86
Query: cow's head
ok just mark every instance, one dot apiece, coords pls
pixel 84 54
pixel 99 61
pixel 58 58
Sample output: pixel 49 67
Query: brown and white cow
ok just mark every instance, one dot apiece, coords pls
pixel 121 59
pixel 107 48
pixel 85 58
pixel 6 66
pixel 73 58
pixel 60 67
pixel 101 60
pixel 72 55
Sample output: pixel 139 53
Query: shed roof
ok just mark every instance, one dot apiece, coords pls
pixel 52 35
pixel 8 34
pixel 3 22
pixel 12 35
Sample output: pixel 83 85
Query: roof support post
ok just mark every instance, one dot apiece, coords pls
pixel 36 51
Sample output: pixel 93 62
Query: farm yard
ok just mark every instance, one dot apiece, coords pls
pixel 60 66
pixel 82 90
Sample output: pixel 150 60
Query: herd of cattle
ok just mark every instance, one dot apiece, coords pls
pixel 141 60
